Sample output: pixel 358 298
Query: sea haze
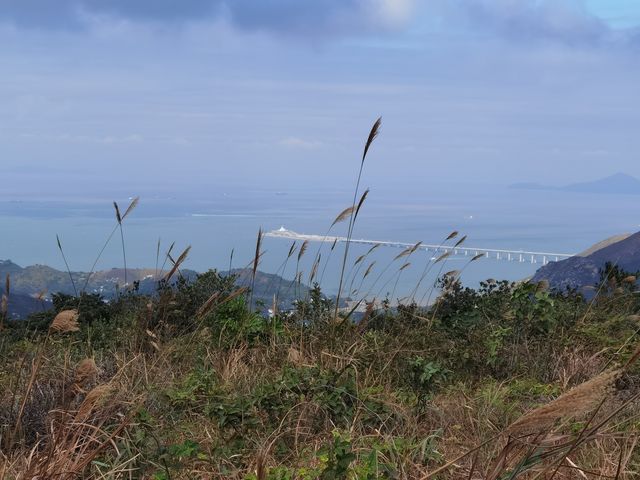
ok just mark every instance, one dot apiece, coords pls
pixel 216 222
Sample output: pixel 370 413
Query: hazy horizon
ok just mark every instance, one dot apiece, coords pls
pixel 102 96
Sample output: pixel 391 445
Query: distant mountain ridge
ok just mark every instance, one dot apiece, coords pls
pixel 32 286
pixel 584 271
pixel 34 279
pixel 619 183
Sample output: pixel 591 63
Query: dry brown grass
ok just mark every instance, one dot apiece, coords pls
pixel 64 322
pixel 85 373
pixel 576 365
pixel 73 436
pixel 462 419
pixel 577 402
pixel 93 399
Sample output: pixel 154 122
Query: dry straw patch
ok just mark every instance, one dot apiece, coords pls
pixel 574 403
pixel 94 398
pixel 85 373
pixel 296 357
pixel 65 321
pixel 75 440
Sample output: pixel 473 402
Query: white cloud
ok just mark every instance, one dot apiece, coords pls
pixel 393 13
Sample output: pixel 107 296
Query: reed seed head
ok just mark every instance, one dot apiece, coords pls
pixel 375 130
pixel 132 205
pixel 579 400
pixel 65 321
pixel 303 248
pixel 93 398
pixel 461 241
pixel 362 199
pixel 342 216
pixel 118 216
pixel 86 372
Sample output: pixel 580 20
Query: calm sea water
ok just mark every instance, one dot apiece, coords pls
pixel 215 223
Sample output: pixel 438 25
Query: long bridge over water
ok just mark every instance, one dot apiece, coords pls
pixel 495 253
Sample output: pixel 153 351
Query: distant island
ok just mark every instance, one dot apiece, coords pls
pixel 619 183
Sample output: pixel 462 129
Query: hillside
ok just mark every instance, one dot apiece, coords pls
pixel 501 379
pixel 584 271
pixel 34 279
pixel 21 305
pixel 603 243
pixel 40 281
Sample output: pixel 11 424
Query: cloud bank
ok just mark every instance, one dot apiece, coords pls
pixel 281 16
pixel 561 21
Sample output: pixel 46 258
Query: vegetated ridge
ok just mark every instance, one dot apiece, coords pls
pixel 32 286
pixel 584 271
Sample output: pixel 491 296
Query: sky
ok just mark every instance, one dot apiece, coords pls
pixel 188 95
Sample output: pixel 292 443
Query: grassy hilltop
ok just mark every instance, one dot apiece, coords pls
pixel 182 386
pixel 195 379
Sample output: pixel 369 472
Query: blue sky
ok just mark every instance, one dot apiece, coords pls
pixel 99 94
pixel 618 13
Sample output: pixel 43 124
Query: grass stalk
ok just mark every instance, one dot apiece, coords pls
pixel 372 135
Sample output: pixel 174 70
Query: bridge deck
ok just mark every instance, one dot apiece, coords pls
pixel 498 253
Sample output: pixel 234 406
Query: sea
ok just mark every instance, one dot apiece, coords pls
pixel 221 227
